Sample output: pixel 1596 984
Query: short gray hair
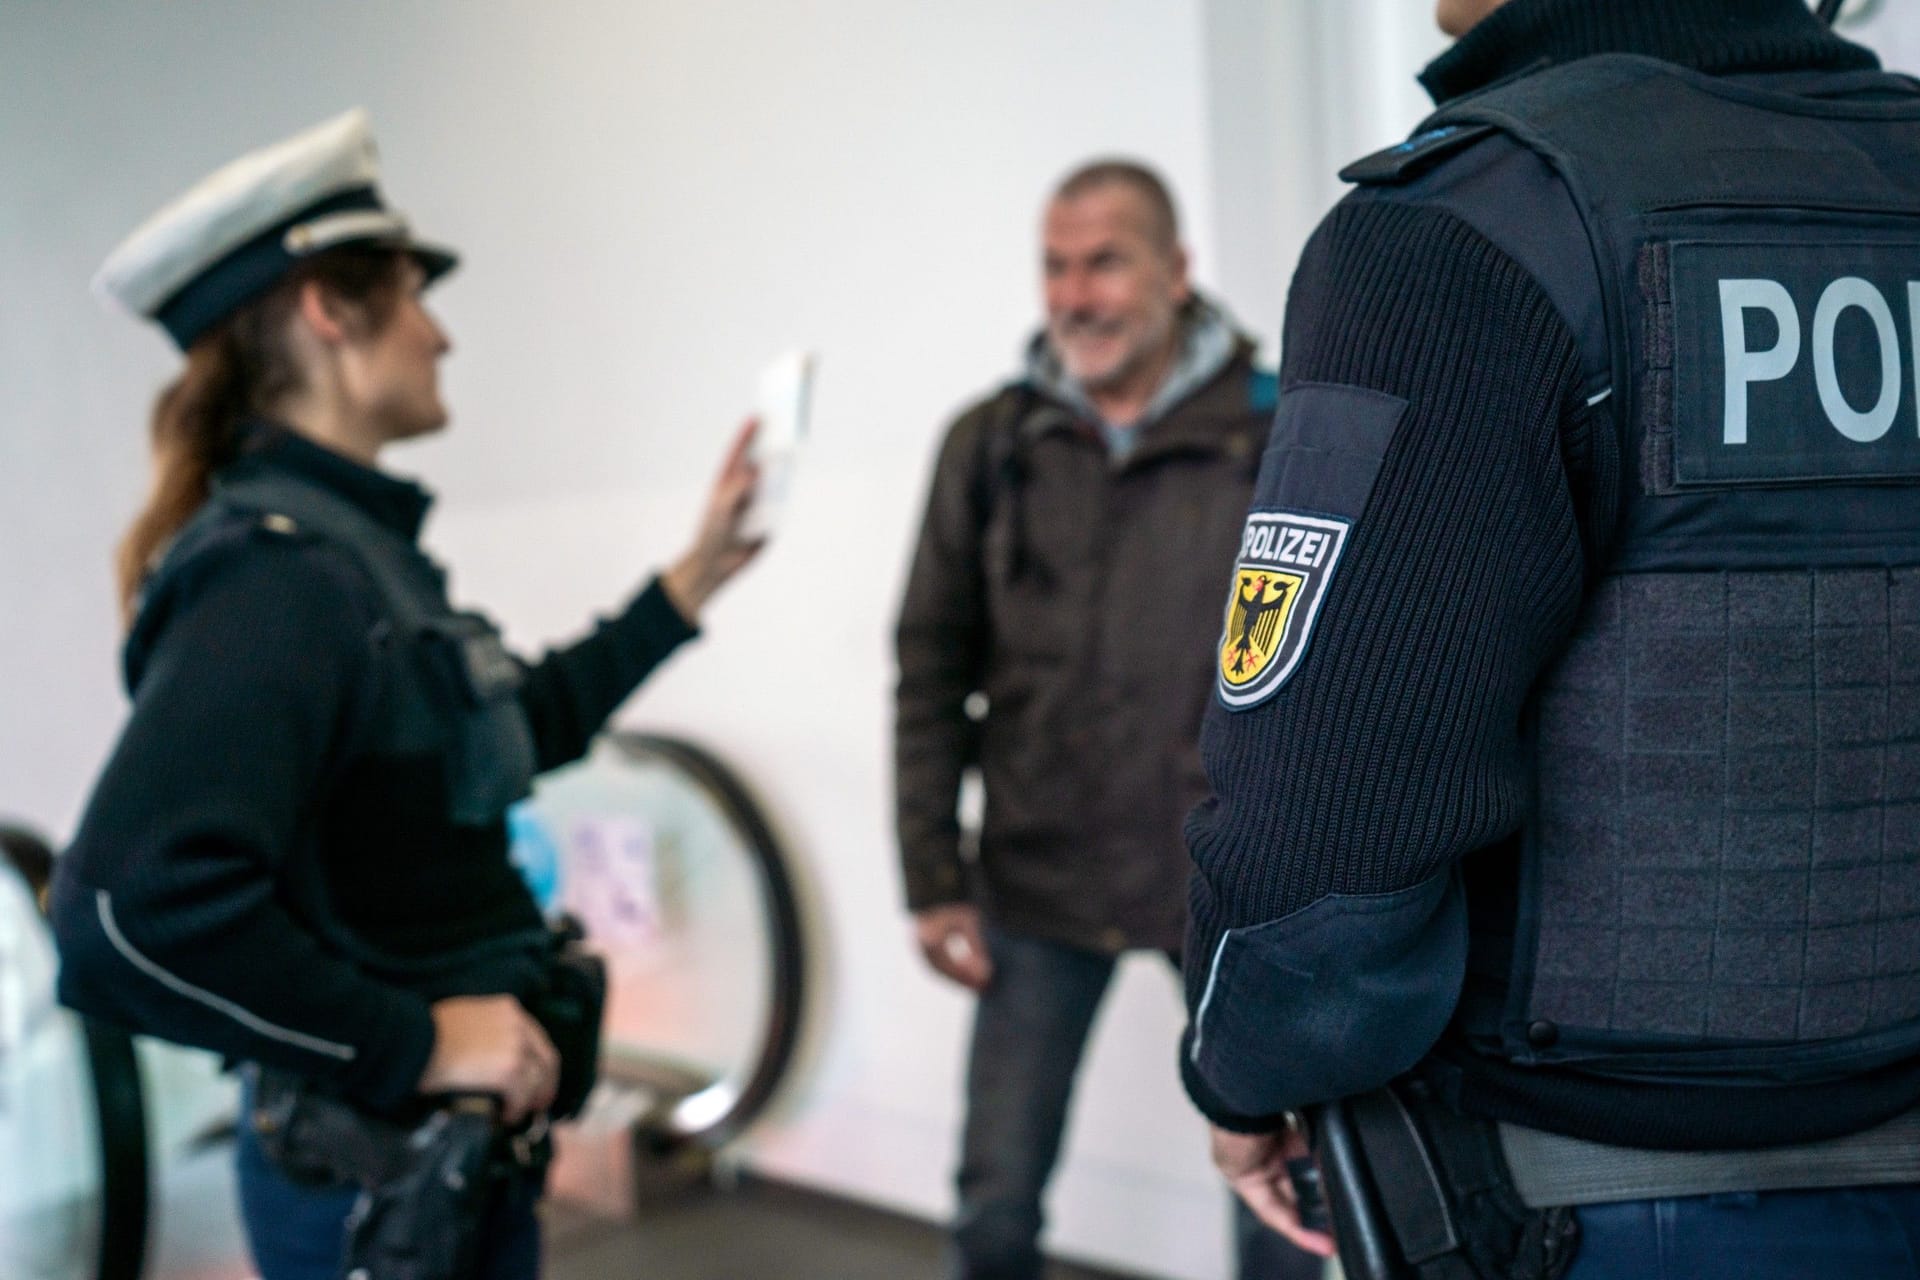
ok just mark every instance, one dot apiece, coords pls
pixel 1162 217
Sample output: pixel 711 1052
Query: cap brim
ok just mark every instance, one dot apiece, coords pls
pixel 436 260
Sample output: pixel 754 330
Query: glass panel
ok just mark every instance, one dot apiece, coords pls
pixel 195 1233
pixel 49 1162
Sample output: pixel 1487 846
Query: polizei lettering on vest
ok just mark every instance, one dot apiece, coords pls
pixel 1793 363
pixel 1745 366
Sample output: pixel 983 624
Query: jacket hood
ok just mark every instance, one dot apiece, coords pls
pixel 1209 339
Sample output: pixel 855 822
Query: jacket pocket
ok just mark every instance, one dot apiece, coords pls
pixel 491 758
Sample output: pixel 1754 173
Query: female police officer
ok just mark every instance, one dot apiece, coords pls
pixel 296 856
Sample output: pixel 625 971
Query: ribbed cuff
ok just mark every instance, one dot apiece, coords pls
pixel 934 882
pixel 653 615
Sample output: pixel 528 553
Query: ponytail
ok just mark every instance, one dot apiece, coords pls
pixel 196 422
pixel 242 366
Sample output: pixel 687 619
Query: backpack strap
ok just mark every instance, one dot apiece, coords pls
pixel 999 468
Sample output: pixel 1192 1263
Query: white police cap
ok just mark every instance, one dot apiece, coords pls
pixel 238 231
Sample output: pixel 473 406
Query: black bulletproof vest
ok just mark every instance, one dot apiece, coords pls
pixel 1721 879
pixel 448 688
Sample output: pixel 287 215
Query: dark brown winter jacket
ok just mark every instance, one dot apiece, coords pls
pixel 1081 598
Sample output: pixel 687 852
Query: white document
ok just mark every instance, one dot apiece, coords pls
pixel 786 389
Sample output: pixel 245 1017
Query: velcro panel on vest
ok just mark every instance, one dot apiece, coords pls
pixel 1772 363
pixel 1728 834
pixel 1761 272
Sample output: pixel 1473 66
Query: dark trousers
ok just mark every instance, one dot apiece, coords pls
pixel 298 1232
pixel 1029 1034
pixel 1857 1233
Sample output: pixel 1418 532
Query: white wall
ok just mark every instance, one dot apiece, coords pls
pixel 1296 89
pixel 1891 28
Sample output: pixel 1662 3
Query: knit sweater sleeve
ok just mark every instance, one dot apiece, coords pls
pixel 573 690
pixel 1327 936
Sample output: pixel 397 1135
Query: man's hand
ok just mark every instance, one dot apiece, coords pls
pixel 1255 1166
pixel 951 939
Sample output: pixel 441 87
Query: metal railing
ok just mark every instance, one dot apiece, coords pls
pixel 710 1112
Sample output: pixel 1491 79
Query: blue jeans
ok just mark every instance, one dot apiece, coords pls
pixel 1029 1034
pixel 298 1232
pixel 1856 1233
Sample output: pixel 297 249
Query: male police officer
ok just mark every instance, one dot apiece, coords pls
pixel 1566 847
pixel 1078 522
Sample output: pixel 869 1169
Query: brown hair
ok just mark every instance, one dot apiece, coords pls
pixel 1163 219
pixel 30 856
pixel 241 366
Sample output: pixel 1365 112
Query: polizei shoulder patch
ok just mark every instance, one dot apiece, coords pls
pixel 1279 582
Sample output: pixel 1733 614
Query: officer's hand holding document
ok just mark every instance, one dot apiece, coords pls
pixel 785 390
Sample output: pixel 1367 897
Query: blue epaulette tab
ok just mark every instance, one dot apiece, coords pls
pixel 1414 156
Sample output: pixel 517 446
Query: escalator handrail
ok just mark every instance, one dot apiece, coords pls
pixel 786 952
pixel 119 1103
pixel 125 1190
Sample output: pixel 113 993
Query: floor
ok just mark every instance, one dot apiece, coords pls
pixel 757 1231
pixel 686 1230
